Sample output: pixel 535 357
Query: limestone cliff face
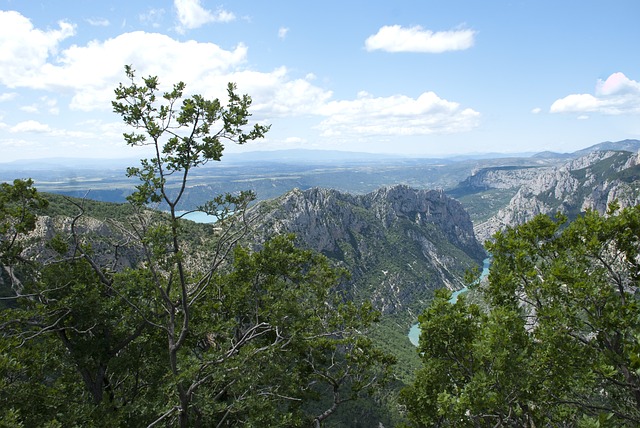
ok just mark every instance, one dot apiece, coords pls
pixel 398 243
pixel 111 243
pixel 503 177
pixel 591 182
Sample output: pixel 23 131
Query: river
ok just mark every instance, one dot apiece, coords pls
pixel 414 331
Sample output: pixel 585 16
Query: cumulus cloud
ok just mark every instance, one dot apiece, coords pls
pixel 90 72
pixel 276 94
pixel 100 64
pixel 396 115
pixel 192 15
pixel 25 49
pixel 395 38
pixel 85 76
pixel 30 126
pixel 616 95
pixel 536 110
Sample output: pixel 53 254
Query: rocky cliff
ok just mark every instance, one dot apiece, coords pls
pixel 592 182
pixel 398 243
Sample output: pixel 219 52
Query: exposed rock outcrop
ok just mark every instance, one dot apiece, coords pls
pixel 590 182
pixel 399 243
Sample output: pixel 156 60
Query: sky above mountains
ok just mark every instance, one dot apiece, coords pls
pixel 422 77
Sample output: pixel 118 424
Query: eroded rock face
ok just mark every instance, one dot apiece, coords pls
pixel 503 177
pixel 398 243
pixel 112 244
pixel 425 207
pixel 590 182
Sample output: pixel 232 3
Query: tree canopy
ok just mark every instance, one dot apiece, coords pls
pixel 139 323
pixel 556 341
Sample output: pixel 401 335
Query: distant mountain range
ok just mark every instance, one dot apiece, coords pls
pixel 316 156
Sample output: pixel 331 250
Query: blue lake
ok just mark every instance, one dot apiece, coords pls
pixel 198 217
pixel 414 331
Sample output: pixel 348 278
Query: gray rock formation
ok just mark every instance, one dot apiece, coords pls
pixel 398 243
pixel 590 182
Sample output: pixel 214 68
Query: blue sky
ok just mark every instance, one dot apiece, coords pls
pixel 425 78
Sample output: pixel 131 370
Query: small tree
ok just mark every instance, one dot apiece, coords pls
pixel 275 315
pixel 183 137
pixel 18 203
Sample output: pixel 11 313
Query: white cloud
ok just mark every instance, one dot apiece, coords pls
pixel 94 70
pixel 25 49
pixel 617 84
pixel 91 72
pixel 30 109
pixel 8 96
pixel 276 94
pixel 192 15
pixel 87 74
pixel 396 115
pixel 616 95
pixel 536 110
pixel 98 22
pixel 30 126
pixel 282 32
pixel 46 103
pixel 394 38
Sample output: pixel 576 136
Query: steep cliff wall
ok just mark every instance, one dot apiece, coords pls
pixel 592 182
pixel 398 243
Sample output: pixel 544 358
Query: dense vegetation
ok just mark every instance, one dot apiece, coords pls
pixel 557 340
pixel 131 324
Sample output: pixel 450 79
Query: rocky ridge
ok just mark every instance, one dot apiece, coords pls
pixel 398 243
pixel 591 182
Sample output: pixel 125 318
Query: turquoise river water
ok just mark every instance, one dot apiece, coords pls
pixel 414 331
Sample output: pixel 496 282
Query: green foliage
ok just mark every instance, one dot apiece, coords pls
pixel 184 138
pixel 18 203
pixel 559 342
pixel 146 327
pixel 482 204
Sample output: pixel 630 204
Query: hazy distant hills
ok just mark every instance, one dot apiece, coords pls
pixel 312 156
pixel 271 174
pixel 624 145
